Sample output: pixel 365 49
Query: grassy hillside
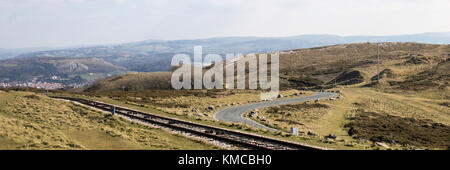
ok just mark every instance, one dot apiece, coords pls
pixel 437 76
pixel 407 109
pixel 32 121
pixel 320 67
pixel 365 115
pixel 133 82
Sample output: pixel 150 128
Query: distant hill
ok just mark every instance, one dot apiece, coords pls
pixel 133 82
pixel 26 69
pixel 155 55
pixel 403 65
pixel 11 53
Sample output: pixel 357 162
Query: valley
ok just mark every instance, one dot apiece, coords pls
pixel 406 109
pixel 78 66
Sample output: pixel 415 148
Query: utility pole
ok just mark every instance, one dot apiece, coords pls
pixel 378 62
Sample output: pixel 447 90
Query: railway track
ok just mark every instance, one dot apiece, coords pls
pixel 236 138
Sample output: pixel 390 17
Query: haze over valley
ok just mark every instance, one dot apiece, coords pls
pixel 74 66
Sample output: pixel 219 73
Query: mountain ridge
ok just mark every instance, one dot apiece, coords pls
pixel 155 55
pixel 319 67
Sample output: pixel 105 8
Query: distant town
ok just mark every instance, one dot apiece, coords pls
pixel 40 85
pixel 52 83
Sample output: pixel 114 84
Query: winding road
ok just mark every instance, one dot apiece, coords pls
pixel 236 114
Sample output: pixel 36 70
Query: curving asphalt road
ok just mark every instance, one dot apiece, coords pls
pixel 236 114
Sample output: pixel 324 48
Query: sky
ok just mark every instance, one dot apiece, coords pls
pixel 62 23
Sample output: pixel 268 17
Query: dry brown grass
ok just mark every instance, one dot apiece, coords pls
pixel 323 64
pixel 133 82
pixel 31 121
pixel 330 117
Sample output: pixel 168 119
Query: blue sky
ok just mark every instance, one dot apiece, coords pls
pixel 58 23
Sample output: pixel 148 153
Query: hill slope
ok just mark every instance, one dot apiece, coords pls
pixel 155 55
pixel 32 121
pixel 347 63
pixel 133 82
pixel 324 64
pixel 437 76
